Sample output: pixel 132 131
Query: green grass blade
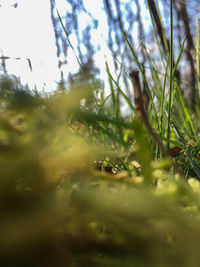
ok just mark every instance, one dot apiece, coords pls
pixel 179 57
pixel 171 72
pixel 111 85
pixel 66 34
pixel 186 117
pixel 180 139
pixel 143 76
pixel 197 54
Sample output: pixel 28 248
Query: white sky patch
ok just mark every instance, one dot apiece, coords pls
pixel 145 16
pixel 26 32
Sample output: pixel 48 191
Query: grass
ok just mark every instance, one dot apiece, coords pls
pixel 83 186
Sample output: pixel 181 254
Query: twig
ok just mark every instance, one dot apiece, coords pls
pixel 141 112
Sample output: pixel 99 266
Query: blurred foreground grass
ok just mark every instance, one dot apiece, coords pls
pixel 73 193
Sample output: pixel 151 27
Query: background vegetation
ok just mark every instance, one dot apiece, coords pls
pixel 82 183
pixel 139 20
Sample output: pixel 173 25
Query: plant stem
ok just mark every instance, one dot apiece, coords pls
pixel 171 74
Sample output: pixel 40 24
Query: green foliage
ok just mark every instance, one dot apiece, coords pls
pixel 80 185
pixel 59 209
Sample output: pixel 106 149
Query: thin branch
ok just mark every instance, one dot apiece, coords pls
pixel 141 112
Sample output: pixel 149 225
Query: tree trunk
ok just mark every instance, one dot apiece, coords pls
pixel 161 33
pixel 183 15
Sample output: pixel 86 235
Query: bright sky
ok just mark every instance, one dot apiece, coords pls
pixel 26 32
